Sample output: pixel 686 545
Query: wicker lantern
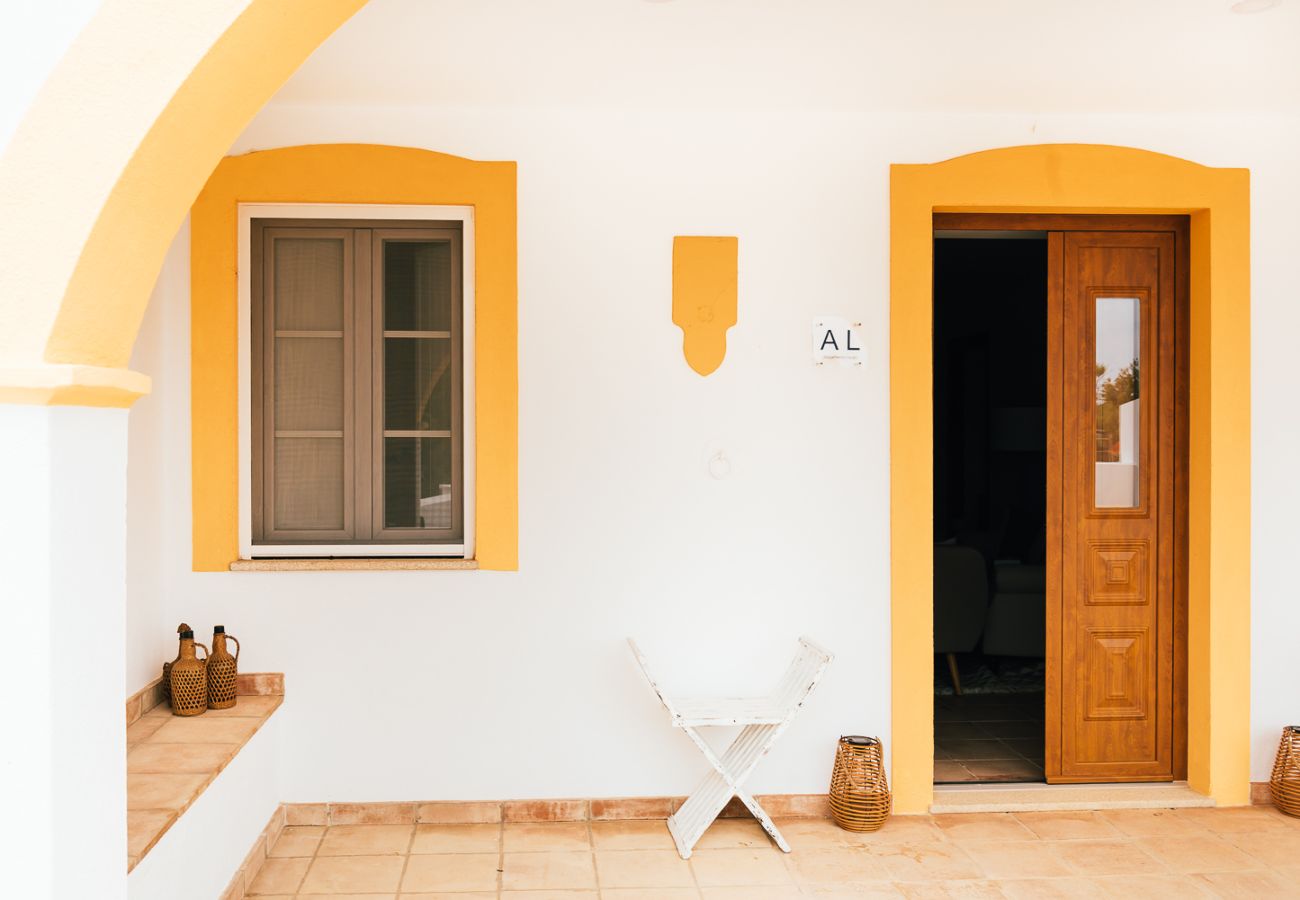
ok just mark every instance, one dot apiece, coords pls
pixel 1285 782
pixel 860 798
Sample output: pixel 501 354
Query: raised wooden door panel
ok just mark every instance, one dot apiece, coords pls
pixel 1114 625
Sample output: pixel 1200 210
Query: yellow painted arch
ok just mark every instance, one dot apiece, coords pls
pixel 104 167
pixel 1082 178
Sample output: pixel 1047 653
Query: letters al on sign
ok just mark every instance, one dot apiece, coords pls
pixel 834 337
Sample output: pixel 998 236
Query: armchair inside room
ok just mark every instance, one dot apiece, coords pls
pixel 1017 616
pixel 961 599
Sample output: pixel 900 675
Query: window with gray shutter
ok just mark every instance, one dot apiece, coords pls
pixel 357 382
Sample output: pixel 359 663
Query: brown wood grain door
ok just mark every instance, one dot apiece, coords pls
pixel 1112 436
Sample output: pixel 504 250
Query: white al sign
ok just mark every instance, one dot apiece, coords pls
pixel 834 337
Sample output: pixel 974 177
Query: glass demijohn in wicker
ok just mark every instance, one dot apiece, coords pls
pixel 1285 783
pixel 222 669
pixel 187 679
pixel 860 798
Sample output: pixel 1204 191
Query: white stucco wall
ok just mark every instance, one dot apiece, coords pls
pixel 468 685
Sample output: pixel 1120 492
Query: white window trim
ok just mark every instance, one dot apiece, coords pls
pixel 250 211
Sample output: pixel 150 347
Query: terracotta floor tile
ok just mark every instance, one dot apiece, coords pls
pixel 642 834
pixel 366 896
pixel 1247 885
pixel 847 865
pixel 733 834
pixel 1073 888
pixel 529 836
pixel 1003 770
pixel 1235 820
pixel 986 748
pixel 642 869
pixel 148 757
pixel 447 872
pixel 960 731
pixel 811 834
pixel 352 874
pixel 546 870
pixel 1150 822
pixel 881 889
pixel 1067 826
pixel 142 728
pixel 1272 848
pixel 297 840
pixel 366 840
pixel 533 895
pixel 1017 859
pixel 948 771
pixel 279 876
pixel 755 866
pixel 162 791
pixel 957 890
pixel 143 826
pixel 1014 730
pixel 246 706
pixel 457 839
pixel 1194 853
pixel 661 893
pixel 901 829
pixel 983 827
pixel 202 730
pixel 1151 887
pixel 1029 748
pixel 933 861
pixel 465 895
pixel 1118 857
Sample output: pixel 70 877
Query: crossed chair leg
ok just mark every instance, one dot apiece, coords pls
pixel 730 771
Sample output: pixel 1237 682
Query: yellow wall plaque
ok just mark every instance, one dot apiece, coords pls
pixel 704 297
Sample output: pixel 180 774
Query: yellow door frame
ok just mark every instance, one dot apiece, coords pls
pixel 1085 178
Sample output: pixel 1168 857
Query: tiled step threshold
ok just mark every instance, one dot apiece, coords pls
pixel 983 798
pixel 171 760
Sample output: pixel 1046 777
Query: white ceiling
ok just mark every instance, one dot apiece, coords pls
pixel 924 55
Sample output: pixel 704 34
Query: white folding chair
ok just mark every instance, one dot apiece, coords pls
pixel 763 718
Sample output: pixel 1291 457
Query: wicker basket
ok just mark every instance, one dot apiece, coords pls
pixel 1285 783
pixel 860 798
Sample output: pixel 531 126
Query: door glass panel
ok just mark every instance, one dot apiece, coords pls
pixel 1117 420
pixel 309 284
pixel 309 384
pixel 417 286
pixel 417 384
pixel 309 483
pixel 417 482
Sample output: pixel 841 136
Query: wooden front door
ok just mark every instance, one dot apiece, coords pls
pixel 1112 461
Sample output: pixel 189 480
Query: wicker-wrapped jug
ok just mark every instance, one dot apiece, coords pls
pixel 167 667
pixel 860 798
pixel 187 678
pixel 222 669
pixel 1285 783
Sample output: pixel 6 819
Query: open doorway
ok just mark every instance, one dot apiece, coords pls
pixel 990 473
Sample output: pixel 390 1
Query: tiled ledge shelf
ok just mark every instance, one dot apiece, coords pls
pixel 171 760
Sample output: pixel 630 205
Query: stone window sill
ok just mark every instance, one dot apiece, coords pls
pixel 389 564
